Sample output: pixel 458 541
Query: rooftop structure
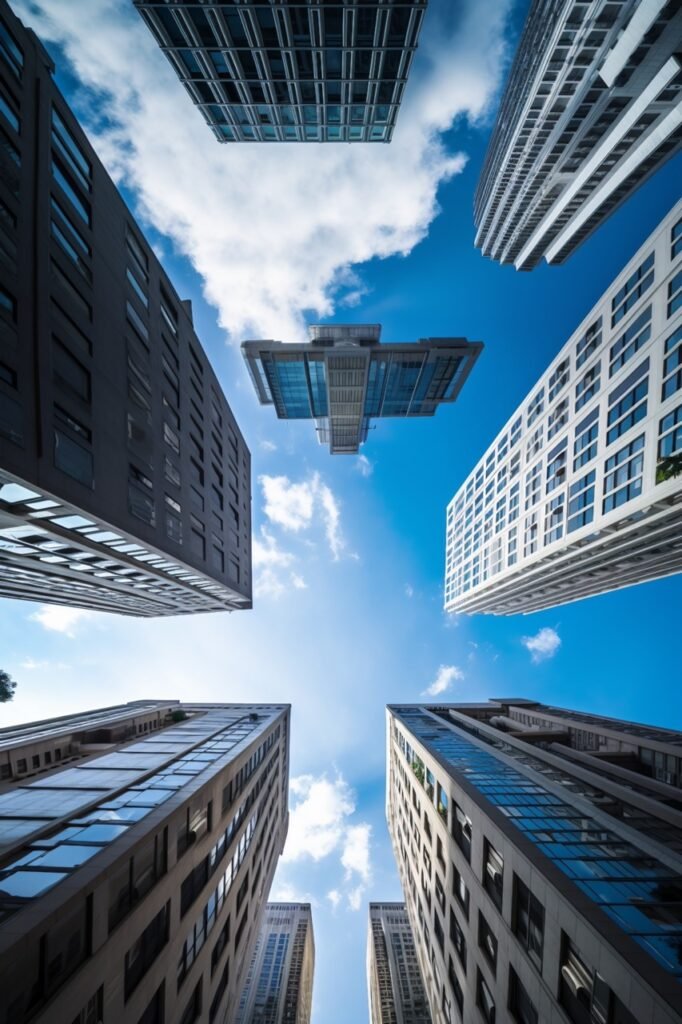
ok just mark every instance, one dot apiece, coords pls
pixel 581 491
pixel 540 854
pixel 281 72
pixel 344 377
pixel 395 986
pixel 137 848
pixel 592 108
pixel 125 482
pixel 279 983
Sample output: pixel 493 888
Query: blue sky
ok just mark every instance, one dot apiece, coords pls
pixel 349 552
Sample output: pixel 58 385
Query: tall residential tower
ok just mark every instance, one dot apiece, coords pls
pixel 282 72
pixel 394 982
pixel 137 848
pixel 540 853
pixel 279 983
pixel 344 377
pixel 591 109
pixel 124 478
pixel 581 491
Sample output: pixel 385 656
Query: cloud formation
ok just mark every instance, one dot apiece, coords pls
pixel 445 677
pixel 319 826
pixel 60 619
pixel 543 645
pixel 269 253
pixel 364 466
pixel 297 506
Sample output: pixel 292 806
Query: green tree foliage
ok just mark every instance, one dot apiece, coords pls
pixel 7 686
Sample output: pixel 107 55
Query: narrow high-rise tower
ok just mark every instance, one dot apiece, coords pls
pixel 125 482
pixel 137 848
pixel 279 983
pixel 592 108
pixel 580 491
pixel 540 854
pixel 284 72
pixel 394 982
pixel 344 377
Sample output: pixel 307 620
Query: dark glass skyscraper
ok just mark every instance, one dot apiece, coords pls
pixel 344 377
pixel 125 482
pixel 291 72
pixel 279 983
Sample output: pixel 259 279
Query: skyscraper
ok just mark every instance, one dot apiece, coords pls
pixel 279 983
pixel 344 377
pixel 124 478
pixel 395 986
pixel 539 851
pixel 136 862
pixel 591 109
pixel 580 491
pixel 281 72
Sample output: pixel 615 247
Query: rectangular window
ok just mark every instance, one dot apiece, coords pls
pixel 460 891
pixel 70 240
pixel 219 993
pixel 581 502
pixel 168 314
pixel 589 343
pixel 137 323
pixel 559 378
pixel 623 475
pixel 458 940
pixel 461 830
pixel 637 335
pixel 487 942
pixel 676 240
pixel 138 257
pixel 586 440
pixel 557 418
pixel 556 466
pixel 588 386
pixel 626 413
pixel 554 519
pixel 484 999
pixel 137 287
pixel 675 293
pixel 521 1007
pixel 493 873
pixel 583 993
pixel 533 485
pixel 457 989
pixel 63 179
pixel 672 364
pixel 69 373
pixel 69 289
pixel 73 459
pixel 670 434
pixel 69 150
pixel 632 291
pixel 530 536
pixel 10 51
pixel 144 952
pixel 528 921
pixel 535 407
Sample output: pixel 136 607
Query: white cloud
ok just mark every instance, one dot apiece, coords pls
pixel 364 466
pixel 297 506
pixel 266 254
pixel 32 665
pixel 409 590
pixel 286 892
pixel 445 677
pixel 267 446
pixel 272 576
pixel 320 825
pixel 543 645
pixel 298 582
pixel 59 618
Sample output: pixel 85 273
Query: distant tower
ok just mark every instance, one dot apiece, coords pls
pixel 279 983
pixel 592 108
pixel 285 72
pixel 540 855
pixel 395 986
pixel 343 378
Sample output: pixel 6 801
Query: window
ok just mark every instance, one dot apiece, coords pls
pixel 581 502
pixel 457 990
pixel 637 335
pixel 557 418
pixel 144 952
pixel 589 343
pixel 70 152
pixel 556 466
pixel 192 1011
pixel 554 519
pixel 69 372
pixel 484 999
pixel 154 1014
pixel 460 891
pixel 587 387
pixel 670 434
pixel 675 293
pixel 70 240
pixel 10 51
pixel 623 475
pixel 676 240
pixel 438 931
pixel 632 291
pixel 672 364
pixel 583 993
pixel 515 432
pixel 528 921
pixel 461 830
pixel 458 940
pixel 93 1011
pixel 136 322
pixel 493 870
pixel 73 459
pixel 442 804
pixel 487 942
pixel 533 485
pixel 559 378
pixel 219 993
pixel 520 1005
pixel 535 407
pixel 586 440
pixel 628 403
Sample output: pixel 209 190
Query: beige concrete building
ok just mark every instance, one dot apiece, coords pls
pixel 137 848
pixel 394 982
pixel 540 854
pixel 279 984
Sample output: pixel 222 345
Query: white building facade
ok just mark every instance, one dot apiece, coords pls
pixel 578 493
